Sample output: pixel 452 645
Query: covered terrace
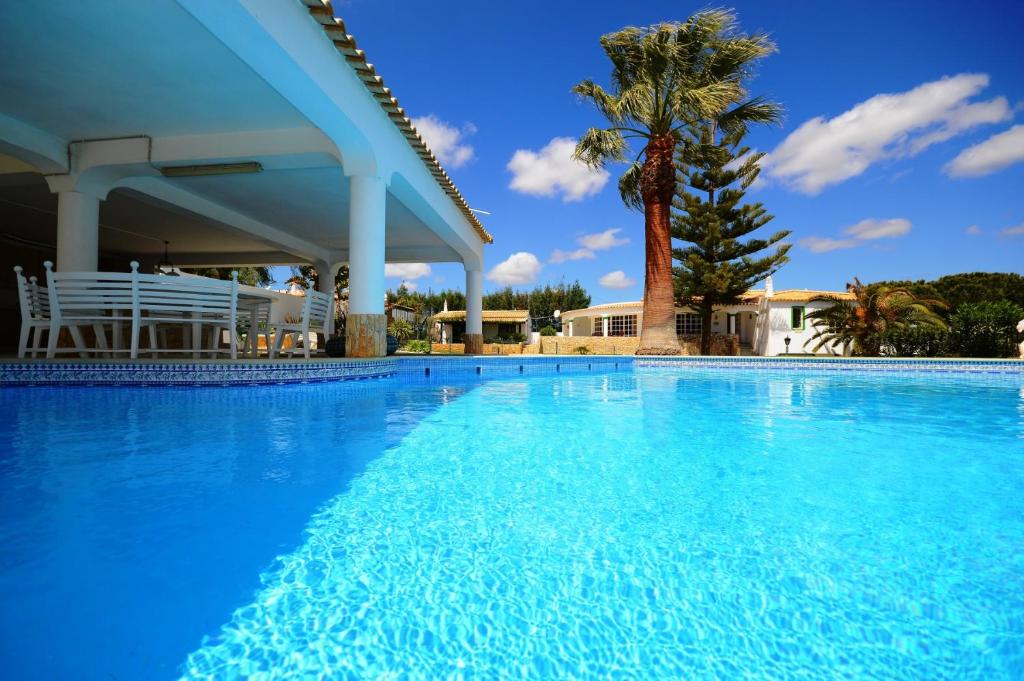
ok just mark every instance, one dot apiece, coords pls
pixel 235 133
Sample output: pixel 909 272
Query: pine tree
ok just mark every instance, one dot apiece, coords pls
pixel 717 267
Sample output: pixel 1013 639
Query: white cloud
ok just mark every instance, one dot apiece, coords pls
pixel 616 279
pixel 599 241
pixel 518 268
pixel 995 153
pixel 973 229
pixel 879 229
pixel 856 235
pixel 552 171
pixel 820 244
pixel 446 141
pixel 407 270
pixel 411 285
pixel 602 241
pixel 559 255
pixel 1016 230
pixel 823 152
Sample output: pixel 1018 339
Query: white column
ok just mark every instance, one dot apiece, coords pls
pixel 78 227
pixel 366 245
pixel 365 324
pixel 474 336
pixel 325 284
pixel 604 326
pixel 474 301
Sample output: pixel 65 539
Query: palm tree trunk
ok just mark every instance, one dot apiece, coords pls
pixel 657 187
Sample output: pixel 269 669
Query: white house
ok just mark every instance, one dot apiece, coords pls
pixel 762 321
pixel 235 132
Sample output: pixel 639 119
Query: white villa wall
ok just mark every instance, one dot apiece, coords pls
pixel 764 329
pixel 775 326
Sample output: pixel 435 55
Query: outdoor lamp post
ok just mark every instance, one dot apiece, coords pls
pixel 786 340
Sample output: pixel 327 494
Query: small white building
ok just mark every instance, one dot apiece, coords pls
pixel 450 325
pixel 763 320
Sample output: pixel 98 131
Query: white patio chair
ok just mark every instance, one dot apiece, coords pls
pixel 315 312
pixel 193 301
pixel 88 299
pixel 250 344
pixel 35 313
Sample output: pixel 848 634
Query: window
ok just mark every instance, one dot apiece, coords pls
pixel 622 325
pixel 688 324
pixel 796 317
pixel 596 326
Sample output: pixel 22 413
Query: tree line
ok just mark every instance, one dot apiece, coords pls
pixel 973 314
pixel 541 301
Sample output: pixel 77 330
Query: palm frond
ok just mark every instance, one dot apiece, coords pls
pixel 629 187
pixel 598 147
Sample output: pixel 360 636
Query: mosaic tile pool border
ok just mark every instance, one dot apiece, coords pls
pixel 491 366
pixel 973 366
pixel 189 374
pixel 263 372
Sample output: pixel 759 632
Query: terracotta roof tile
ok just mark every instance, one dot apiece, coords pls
pixel 334 29
pixel 515 316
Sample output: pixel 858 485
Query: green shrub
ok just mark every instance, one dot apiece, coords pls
pixel 985 329
pixel 583 350
pixel 417 346
pixel 548 331
pixel 508 339
pixel 913 341
pixel 401 329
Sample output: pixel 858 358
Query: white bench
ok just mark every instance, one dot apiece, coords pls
pixel 99 299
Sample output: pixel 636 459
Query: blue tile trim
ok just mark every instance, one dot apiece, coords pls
pixel 1011 367
pixel 189 374
pixel 491 365
pixel 440 366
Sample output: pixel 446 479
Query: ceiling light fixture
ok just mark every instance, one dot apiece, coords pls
pixel 165 266
pixel 213 169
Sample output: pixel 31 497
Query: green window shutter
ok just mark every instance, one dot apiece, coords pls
pixel 796 317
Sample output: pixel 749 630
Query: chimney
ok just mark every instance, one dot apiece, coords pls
pixel 769 287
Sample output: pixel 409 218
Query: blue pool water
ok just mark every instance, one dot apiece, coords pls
pixel 648 523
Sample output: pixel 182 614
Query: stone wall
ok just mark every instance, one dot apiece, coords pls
pixel 489 348
pixel 721 344
pixel 598 345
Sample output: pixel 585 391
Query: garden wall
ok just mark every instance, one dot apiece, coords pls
pixel 721 344
pixel 489 348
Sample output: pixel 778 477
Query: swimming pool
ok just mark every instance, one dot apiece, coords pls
pixel 645 523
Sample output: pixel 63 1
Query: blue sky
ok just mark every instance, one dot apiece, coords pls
pixel 925 182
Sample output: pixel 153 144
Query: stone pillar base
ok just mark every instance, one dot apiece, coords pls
pixel 366 335
pixel 474 343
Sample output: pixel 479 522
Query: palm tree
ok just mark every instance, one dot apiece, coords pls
pixel 859 323
pixel 665 79
pixel 401 329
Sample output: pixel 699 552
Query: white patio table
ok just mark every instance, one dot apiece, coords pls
pixel 267 306
pixel 253 299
